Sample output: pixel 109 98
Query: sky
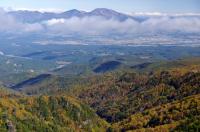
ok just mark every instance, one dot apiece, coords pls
pixel 127 6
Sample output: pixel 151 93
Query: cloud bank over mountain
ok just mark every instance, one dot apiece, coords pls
pixel 10 24
pixel 99 23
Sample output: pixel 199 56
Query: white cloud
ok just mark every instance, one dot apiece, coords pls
pixel 157 14
pixel 90 25
pixel 99 25
pixel 148 14
pixel 10 24
pixel 167 24
pixel 55 21
pixel 33 27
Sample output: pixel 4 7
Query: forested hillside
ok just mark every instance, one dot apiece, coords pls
pixel 163 96
pixel 46 113
pixel 181 115
pixel 162 99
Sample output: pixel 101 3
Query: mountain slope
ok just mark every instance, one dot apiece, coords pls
pixel 47 113
pixel 107 66
pixel 165 117
pixel 32 81
pixel 46 84
pixel 9 93
pixel 109 14
pixel 117 96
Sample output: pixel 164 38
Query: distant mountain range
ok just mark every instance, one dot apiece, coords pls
pixel 36 16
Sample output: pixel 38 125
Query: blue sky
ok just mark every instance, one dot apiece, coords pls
pixel 165 6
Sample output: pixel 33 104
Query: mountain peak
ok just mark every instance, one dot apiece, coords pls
pixel 102 11
pixel 74 11
pixel 71 13
pixel 109 14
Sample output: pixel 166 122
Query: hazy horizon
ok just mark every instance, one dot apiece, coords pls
pixel 127 6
